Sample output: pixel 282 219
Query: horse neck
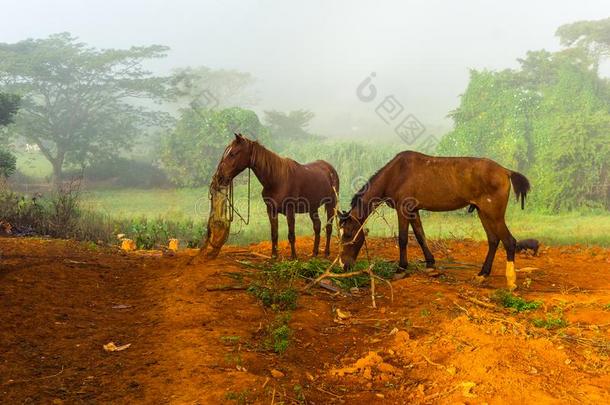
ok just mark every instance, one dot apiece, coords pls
pixel 371 197
pixel 266 165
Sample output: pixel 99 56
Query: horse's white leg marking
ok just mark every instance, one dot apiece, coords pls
pixel 511 276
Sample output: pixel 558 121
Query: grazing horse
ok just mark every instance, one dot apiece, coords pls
pixel 289 187
pixel 412 181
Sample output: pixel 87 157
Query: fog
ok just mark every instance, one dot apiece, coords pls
pixel 313 55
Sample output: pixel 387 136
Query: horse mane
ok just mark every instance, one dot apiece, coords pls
pixel 270 162
pixel 357 198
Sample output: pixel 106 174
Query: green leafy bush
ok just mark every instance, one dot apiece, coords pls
pixel 278 334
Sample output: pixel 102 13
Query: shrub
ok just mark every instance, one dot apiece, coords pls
pixel 123 172
pixel 278 334
pixel 8 164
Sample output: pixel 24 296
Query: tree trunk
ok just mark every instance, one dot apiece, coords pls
pixel 58 164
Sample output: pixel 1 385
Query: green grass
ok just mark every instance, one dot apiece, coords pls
pixel 518 304
pixel 34 165
pixel 550 322
pixel 193 203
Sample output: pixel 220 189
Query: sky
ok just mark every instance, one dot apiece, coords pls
pixel 314 54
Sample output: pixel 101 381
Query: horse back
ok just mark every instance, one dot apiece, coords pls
pixel 449 182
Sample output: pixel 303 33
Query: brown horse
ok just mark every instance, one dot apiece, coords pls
pixel 413 181
pixel 289 187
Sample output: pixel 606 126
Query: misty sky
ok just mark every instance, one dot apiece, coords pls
pixel 313 54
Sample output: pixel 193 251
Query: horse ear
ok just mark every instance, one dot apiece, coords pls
pixel 238 137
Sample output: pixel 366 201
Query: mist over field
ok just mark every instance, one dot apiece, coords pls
pixel 312 55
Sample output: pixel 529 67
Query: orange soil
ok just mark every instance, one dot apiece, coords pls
pixel 439 341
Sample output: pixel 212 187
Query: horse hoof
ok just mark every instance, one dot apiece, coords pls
pixel 432 272
pixel 479 279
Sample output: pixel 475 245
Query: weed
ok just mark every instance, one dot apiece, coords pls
pixel 233 359
pixel 607 307
pixel 550 322
pixel 240 397
pixel 425 312
pixel 298 392
pixel 518 304
pixel 230 340
pixel 278 334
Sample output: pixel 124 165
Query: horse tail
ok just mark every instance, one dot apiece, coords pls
pixel 521 185
pixel 334 179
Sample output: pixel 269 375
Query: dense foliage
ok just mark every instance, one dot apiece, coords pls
pixel 191 152
pixel 9 104
pixel 290 127
pixel 550 120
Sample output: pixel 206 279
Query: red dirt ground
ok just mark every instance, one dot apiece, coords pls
pixel 439 341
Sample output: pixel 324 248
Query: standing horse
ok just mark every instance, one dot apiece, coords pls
pixel 413 181
pixel 289 187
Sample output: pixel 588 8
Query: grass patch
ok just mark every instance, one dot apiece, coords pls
pixel 230 340
pixel 550 322
pixel 518 304
pixel 241 397
pixel 192 203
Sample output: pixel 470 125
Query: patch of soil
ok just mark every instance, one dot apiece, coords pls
pixel 195 333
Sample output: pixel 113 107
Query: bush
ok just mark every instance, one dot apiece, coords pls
pixel 59 215
pixel 122 172
pixel 8 164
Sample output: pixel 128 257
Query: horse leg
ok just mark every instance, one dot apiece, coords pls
pixel 492 244
pixel 317 226
pixel 418 230
pixel 403 239
pixel 272 213
pixel 496 225
pixel 330 214
pixel 510 245
pixel 291 235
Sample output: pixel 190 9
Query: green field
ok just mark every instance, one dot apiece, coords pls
pixel 33 165
pixel 193 204
pixel 181 204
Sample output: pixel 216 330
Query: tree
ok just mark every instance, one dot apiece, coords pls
pixel 192 150
pixel 290 126
pixel 80 103
pixel 9 104
pixel 493 120
pixel 202 87
pixel 550 119
pixel 593 36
